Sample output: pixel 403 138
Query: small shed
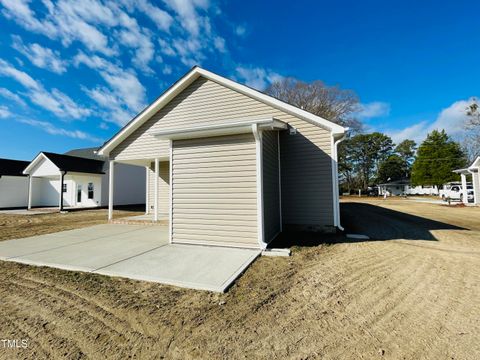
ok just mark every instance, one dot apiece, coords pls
pixel 229 165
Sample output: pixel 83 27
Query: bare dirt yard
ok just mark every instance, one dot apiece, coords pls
pixel 411 292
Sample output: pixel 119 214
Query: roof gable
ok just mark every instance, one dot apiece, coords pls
pixel 67 163
pixel 187 80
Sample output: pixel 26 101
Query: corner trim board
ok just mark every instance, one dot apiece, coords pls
pixel 257 133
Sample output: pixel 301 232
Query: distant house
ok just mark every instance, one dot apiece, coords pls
pixel 393 188
pixel 13 184
pixel 404 187
pixel 472 171
pixel 79 179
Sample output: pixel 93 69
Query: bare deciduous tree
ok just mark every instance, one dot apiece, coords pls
pixel 329 102
pixel 471 141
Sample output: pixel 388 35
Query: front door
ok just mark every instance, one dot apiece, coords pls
pixel 79 194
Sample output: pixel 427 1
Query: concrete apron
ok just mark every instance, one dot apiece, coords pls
pixel 133 251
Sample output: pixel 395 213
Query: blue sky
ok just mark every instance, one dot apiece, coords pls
pixel 72 72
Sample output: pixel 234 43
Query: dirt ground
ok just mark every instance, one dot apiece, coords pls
pixel 413 292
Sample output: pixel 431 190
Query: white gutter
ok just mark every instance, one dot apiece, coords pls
pixel 238 127
pixel 336 196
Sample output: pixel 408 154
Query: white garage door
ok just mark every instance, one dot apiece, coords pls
pixel 214 191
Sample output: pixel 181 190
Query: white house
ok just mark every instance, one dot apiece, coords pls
pixel 404 187
pixel 393 188
pixel 473 171
pixel 81 177
pixel 13 184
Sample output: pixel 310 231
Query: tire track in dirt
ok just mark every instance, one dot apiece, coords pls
pixel 93 326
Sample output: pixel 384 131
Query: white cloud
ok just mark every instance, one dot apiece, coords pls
pixel 7 94
pixel 23 78
pixel 256 77
pixel 240 30
pixel 103 126
pixel 166 48
pixel 40 56
pixel 167 70
pixel 109 27
pixel 114 109
pixel 219 43
pixel 140 40
pixel 189 51
pixel 53 130
pixel 187 12
pixel 54 101
pixel 67 21
pixel 373 110
pixel 450 119
pixel 70 17
pixel 19 11
pixel 124 83
pixel 4 112
pixel 162 19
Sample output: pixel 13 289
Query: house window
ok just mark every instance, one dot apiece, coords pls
pixel 64 188
pixel 90 190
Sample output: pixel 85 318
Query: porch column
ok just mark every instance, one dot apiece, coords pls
pixel 29 206
pixel 464 188
pixel 111 174
pixel 155 192
pixel 476 187
pixel 147 173
pixel 60 200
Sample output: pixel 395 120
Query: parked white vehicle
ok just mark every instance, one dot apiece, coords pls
pixel 453 191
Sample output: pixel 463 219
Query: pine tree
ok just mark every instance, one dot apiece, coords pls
pixel 437 157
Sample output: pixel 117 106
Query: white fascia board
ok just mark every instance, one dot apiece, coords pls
pixel 476 164
pixel 189 78
pixel 148 112
pixel 34 162
pixel 240 127
pixel 314 119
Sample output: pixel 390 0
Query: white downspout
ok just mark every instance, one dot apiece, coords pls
pixel 257 133
pixel 335 185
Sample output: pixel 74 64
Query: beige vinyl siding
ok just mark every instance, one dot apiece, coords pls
pixel 271 190
pixel 163 188
pixel 215 191
pixel 306 163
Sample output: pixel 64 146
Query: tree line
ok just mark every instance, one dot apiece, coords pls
pixel 366 159
pixel 369 159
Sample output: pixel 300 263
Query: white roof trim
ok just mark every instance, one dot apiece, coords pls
pixel 189 78
pixel 34 162
pixel 240 127
pixel 476 163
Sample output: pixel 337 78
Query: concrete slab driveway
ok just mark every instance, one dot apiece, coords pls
pixel 133 251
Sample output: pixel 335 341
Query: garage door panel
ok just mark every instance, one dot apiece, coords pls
pixel 214 191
